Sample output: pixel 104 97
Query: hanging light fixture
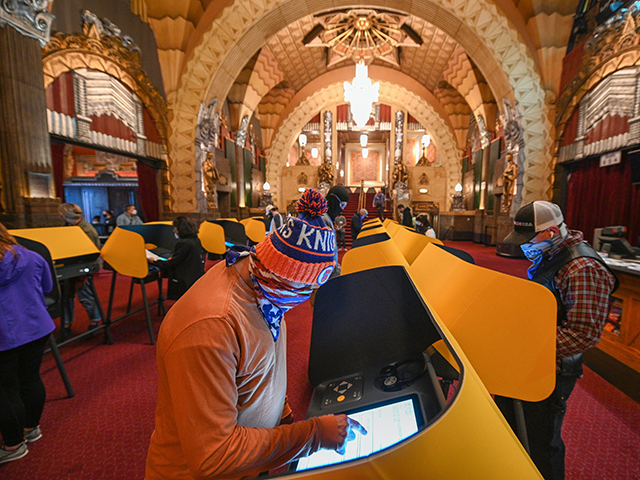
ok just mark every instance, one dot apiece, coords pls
pixel 314 152
pixel 365 152
pixel 361 94
pixel 364 138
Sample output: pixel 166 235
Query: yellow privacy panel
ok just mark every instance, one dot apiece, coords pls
pixel 62 242
pixel 211 236
pixel 387 222
pixel 471 440
pixel 255 229
pixel 370 223
pixel 371 231
pixel 505 325
pixel 392 228
pixel 381 254
pixel 411 243
pixel 124 251
pixel 160 222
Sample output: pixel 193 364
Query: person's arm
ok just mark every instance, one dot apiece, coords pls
pixel 201 367
pixel 584 289
pixel 179 255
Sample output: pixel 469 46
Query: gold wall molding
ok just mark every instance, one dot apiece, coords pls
pixel 104 53
pixel 609 50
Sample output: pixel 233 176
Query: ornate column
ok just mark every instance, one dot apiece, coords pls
pixel 241 136
pixel 26 186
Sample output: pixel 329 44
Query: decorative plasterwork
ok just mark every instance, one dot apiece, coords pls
pixel 29 17
pixel 614 46
pixel 390 94
pixel 483 31
pixel 107 54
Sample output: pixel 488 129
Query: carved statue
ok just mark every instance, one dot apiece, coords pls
pixel 252 144
pixel 302 179
pixel 400 173
pixel 211 176
pixel 303 160
pixel 241 135
pixel 325 173
pixel 510 174
pixel 423 180
pixel 69 161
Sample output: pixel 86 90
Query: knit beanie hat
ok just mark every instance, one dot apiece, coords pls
pixel 303 249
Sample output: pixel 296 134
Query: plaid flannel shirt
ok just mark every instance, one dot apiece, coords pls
pixel 584 286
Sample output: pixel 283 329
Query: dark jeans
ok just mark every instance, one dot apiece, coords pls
pixel 380 208
pixel 340 238
pixel 22 393
pixel 85 296
pixel 544 423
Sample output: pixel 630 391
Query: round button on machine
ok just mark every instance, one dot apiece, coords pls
pixel 340 398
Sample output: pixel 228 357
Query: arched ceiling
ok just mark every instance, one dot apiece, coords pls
pixel 251 53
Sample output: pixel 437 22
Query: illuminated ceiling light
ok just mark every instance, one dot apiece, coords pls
pixel 314 152
pixel 365 152
pixel 364 138
pixel 301 189
pixel 458 187
pixel 426 140
pixel 302 140
pixel 423 190
pixel 266 187
pixel 361 95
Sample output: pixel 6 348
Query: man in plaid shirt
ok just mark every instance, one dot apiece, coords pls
pixel 582 284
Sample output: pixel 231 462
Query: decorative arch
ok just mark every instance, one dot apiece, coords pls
pixel 479 27
pixel 65 53
pixel 615 49
pixel 390 93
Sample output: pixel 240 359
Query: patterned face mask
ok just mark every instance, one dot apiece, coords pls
pixel 276 295
pixel 534 251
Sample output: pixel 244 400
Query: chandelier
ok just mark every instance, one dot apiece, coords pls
pixel 361 95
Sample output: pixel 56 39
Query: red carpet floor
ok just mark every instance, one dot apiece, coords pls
pixel 103 432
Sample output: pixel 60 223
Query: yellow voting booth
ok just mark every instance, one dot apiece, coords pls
pixel 125 254
pixel 255 228
pixel 211 236
pixel 499 333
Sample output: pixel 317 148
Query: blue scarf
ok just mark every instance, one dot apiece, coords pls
pixel 274 295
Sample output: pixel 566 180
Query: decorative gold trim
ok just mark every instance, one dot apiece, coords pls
pixel 614 46
pixel 106 54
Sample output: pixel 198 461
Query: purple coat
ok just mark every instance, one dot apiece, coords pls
pixel 24 279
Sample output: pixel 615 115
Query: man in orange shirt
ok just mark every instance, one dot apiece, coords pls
pixel 222 361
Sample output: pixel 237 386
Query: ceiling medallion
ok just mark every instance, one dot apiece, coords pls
pixel 362 34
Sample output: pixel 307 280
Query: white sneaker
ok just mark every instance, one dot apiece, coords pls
pixel 11 455
pixel 33 435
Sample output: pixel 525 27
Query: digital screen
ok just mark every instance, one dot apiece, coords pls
pixel 386 425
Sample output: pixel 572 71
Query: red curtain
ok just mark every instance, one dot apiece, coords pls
pixel 599 197
pixel 57 158
pixel 148 192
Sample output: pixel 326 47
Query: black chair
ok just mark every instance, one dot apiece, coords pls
pixel 52 302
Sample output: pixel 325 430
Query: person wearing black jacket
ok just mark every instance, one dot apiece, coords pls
pixel 356 222
pixel 185 265
pixel 407 219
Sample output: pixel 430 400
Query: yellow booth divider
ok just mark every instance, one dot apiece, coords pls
pixel 471 440
pixel 371 222
pixel 392 228
pixel 62 242
pixel 254 228
pixel 228 219
pixel 372 231
pixel 387 222
pixel 379 254
pixel 211 236
pixel 160 222
pixel 124 250
pixel 411 243
pixel 505 325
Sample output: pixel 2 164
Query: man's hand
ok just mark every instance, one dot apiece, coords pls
pixel 347 428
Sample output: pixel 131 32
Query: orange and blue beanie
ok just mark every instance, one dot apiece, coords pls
pixel 303 249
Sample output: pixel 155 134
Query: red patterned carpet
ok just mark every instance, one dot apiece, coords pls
pixel 103 432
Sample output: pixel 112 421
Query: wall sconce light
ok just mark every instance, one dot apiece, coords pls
pixel 302 140
pixel 458 187
pixel 365 152
pixel 342 173
pixel 301 189
pixel 423 190
pixel 266 187
pixel 364 138
pixel 457 205
pixel 426 140
pixel 314 152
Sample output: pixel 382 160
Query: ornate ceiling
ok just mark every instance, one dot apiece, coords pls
pixel 472 54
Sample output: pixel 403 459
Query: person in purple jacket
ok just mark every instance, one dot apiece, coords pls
pixel 24 327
